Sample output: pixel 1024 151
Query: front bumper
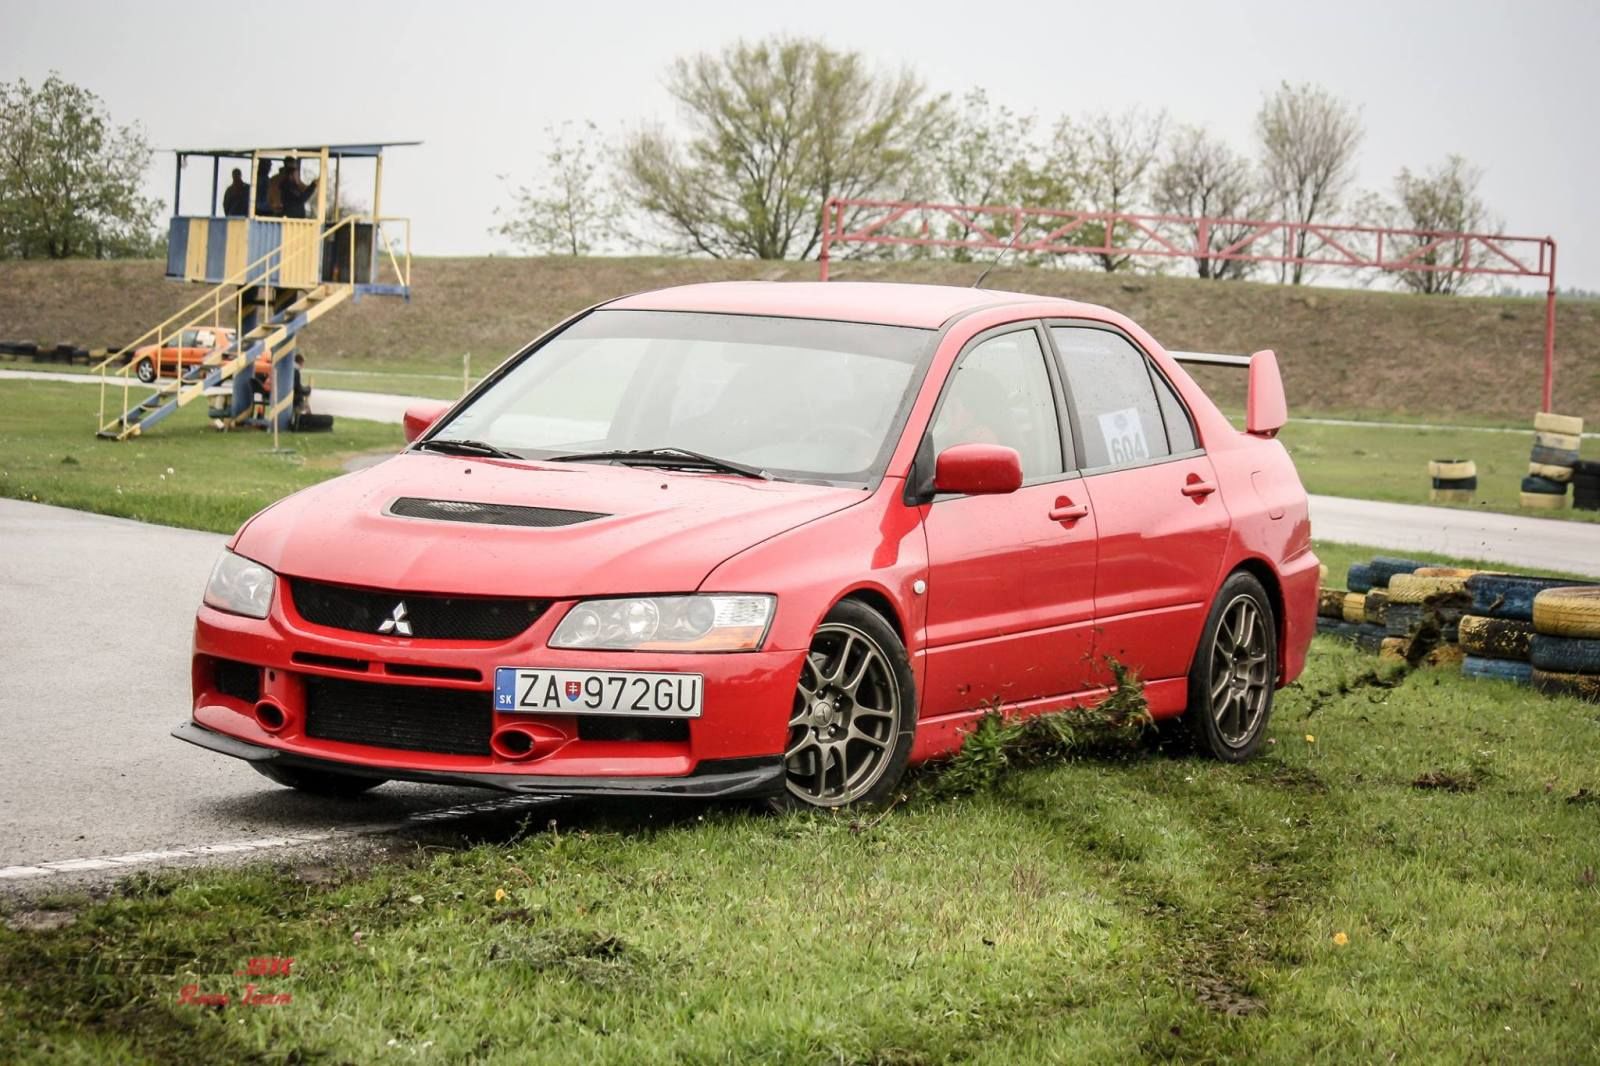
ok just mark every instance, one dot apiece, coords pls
pixel 711 779
pixel 733 748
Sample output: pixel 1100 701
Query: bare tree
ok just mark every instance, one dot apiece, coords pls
pixel 1308 140
pixel 775 129
pixel 1444 200
pixel 1203 177
pixel 570 211
pixel 1116 157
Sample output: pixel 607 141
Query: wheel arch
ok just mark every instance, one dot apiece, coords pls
pixel 880 601
pixel 1263 572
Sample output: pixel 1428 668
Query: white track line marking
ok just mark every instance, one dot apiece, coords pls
pixel 235 847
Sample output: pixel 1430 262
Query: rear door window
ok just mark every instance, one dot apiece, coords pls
pixel 1113 398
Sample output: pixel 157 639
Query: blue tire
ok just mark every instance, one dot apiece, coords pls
pixel 1360 578
pixel 1510 595
pixel 1565 655
pixel 1476 666
pixel 1544 486
pixel 1386 566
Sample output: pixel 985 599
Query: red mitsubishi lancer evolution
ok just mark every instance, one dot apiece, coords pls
pixel 767 539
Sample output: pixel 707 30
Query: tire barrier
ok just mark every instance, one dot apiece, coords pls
pixel 1385 567
pixel 1402 619
pixel 1586 485
pixel 1452 470
pixel 1445 571
pixel 1329 627
pixel 1545 422
pixel 1565 655
pixel 1330 603
pixel 1355 607
pixel 1495 638
pixel 1568 611
pixel 1563 474
pixel 1544 486
pixel 1511 595
pixel 1360 578
pixel 1410 588
pixel 1554 683
pixel 1376 606
pixel 1370 638
pixel 1488 669
pixel 1558 442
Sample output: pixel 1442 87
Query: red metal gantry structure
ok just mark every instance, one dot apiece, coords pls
pixel 1217 240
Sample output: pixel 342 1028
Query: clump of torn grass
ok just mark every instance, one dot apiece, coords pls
pixel 998 745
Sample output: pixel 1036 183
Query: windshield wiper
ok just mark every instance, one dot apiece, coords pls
pixel 452 446
pixel 667 457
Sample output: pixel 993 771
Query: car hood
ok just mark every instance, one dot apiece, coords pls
pixel 661 531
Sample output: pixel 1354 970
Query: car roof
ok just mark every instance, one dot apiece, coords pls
pixel 885 303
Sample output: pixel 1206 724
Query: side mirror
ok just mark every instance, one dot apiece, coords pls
pixel 419 416
pixel 978 470
pixel 1266 410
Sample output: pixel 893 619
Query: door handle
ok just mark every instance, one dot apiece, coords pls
pixel 1067 511
pixel 1197 488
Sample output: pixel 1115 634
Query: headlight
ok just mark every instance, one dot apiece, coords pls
pixel 667 623
pixel 240 586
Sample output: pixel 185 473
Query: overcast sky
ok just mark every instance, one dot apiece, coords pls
pixel 1513 86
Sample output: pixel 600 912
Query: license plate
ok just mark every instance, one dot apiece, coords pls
pixel 536 691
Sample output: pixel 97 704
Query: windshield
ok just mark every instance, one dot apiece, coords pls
pixel 797 398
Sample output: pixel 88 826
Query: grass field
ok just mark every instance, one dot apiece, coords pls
pixel 1344 351
pixel 183 474
pixel 1406 874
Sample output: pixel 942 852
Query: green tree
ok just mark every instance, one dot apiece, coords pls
pixel 1444 200
pixel 1116 158
pixel 775 128
pixel 571 211
pixel 69 177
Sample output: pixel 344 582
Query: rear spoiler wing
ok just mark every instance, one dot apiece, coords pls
pixel 1266 410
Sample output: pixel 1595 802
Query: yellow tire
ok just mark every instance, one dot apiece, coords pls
pixel 1452 469
pixel 1544 501
pixel 1394 649
pixel 1450 495
pixel 1561 442
pixel 1550 472
pixel 1330 603
pixel 1322 572
pixel 1583 686
pixel 1495 638
pixel 1568 612
pixel 1409 588
pixel 1355 607
pixel 1545 422
pixel 1445 571
pixel 1445 655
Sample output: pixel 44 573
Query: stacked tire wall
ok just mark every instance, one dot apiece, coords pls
pixel 1565 648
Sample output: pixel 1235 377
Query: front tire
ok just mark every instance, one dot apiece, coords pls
pixel 1235 672
pixel 854 714
pixel 317 782
pixel 145 371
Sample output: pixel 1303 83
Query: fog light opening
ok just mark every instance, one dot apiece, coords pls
pixel 271 717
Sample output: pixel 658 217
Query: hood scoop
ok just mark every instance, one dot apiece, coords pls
pixel 489 514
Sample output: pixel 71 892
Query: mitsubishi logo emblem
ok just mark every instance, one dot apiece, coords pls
pixel 397 623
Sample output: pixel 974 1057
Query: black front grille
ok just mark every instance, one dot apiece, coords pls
pixel 426 616
pixel 410 717
pixel 490 514
pixel 239 680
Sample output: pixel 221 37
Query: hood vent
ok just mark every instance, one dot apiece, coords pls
pixel 489 514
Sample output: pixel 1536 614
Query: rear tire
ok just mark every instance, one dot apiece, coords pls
pixel 1235 672
pixel 145 370
pixel 317 782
